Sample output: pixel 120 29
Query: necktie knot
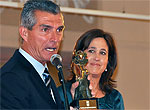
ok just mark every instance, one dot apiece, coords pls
pixel 46 71
pixel 46 77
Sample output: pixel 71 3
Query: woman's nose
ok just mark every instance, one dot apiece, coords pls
pixel 97 57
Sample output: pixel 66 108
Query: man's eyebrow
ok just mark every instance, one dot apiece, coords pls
pixel 44 25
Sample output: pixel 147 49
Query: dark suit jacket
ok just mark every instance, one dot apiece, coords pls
pixel 22 87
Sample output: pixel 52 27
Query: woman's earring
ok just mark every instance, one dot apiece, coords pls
pixel 106 69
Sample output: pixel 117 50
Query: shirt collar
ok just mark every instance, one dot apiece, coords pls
pixel 37 65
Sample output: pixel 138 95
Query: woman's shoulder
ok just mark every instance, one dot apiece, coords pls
pixel 112 100
pixel 115 93
pixel 117 99
pixel 113 97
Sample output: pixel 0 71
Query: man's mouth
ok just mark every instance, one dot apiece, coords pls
pixel 51 49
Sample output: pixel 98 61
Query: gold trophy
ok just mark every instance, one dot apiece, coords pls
pixel 82 98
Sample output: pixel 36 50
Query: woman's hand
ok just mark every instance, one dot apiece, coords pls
pixel 71 108
pixel 73 87
pixel 94 84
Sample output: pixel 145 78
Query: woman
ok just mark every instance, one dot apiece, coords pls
pixel 102 61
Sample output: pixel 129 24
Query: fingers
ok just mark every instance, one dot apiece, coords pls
pixel 93 91
pixel 71 108
pixel 92 85
pixel 73 87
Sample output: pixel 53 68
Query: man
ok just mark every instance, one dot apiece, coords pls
pixel 22 80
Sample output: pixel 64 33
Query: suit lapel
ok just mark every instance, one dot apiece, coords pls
pixel 36 80
pixel 40 86
pixel 56 94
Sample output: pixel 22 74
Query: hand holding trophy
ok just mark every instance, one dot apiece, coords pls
pixel 82 98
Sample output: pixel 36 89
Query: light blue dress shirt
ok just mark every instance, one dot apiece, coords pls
pixel 37 65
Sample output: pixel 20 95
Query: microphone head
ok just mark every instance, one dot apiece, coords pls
pixel 55 56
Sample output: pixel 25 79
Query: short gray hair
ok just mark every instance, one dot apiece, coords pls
pixel 28 18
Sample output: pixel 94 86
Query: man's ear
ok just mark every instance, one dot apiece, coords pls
pixel 23 33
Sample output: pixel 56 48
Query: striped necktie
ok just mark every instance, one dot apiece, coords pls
pixel 47 81
pixel 46 77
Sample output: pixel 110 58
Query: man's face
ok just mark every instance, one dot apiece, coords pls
pixel 45 37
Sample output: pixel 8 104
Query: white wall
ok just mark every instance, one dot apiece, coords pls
pixel 132 39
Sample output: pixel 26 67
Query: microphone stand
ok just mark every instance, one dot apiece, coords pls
pixel 61 79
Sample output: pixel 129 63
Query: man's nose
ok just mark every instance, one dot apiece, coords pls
pixel 53 36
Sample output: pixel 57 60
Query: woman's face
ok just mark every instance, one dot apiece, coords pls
pixel 97 54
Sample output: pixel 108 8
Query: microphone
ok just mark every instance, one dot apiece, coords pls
pixel 56 61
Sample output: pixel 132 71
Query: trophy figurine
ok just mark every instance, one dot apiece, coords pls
pixel 82 98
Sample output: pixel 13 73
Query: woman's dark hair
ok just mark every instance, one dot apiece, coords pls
pixel 106 84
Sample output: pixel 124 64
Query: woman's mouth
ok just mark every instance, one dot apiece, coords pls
pixel 95 64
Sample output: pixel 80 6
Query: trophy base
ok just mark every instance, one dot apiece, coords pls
pixel 90 103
